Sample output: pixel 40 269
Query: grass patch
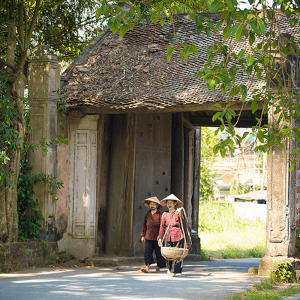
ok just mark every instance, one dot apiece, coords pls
pixel 266 289
pixel 224 235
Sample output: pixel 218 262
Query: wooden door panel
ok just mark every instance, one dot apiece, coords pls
pixel 153 166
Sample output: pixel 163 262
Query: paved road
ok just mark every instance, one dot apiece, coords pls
pixel 200 280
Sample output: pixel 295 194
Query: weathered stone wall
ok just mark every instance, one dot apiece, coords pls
pixel 15 256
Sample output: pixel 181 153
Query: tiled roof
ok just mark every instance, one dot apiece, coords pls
pixel 133 72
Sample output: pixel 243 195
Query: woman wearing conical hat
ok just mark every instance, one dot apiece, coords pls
pixel 175 237
pixel 149 234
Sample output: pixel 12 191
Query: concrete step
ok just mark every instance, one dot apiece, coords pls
pixel 108 261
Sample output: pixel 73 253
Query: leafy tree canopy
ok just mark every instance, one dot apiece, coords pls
pixel 67 26
pixel 270 56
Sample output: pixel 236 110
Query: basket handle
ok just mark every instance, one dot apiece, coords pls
pixel 188 232
pixel 182 229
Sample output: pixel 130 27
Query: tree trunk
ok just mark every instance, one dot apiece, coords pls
pixel 3 222
pixel 15 92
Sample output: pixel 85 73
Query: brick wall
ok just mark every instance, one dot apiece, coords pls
pixel 16 256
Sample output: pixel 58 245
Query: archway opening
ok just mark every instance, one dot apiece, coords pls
pixel 233 195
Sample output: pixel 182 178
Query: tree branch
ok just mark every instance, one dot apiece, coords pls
pixel 33 22
pixel 17 38
pixel 20 26
pixel 6 63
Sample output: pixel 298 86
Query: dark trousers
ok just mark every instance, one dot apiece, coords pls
pixel 173 265
pixel 151 246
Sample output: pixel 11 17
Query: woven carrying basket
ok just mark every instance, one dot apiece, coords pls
pixel 171 253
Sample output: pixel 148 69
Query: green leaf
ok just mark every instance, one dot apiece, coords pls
pixel 138 10
pixel 211 84
pixel 292 166
pixel 254 27
pixel 98 12
pixel 214 6
pixel 293 22
pixel 254 106
pixel 192 16
pixel 216 116
pixel 198 21
pixel 269 16
pixel 250 60
pixel 169 51
pixel 226 32
pixel 199 25
pixel 114 27
pixel 235 29
pixel 217 105
pixel 251 38
pixel 104 9
pixel 223 88
pixel 232 72
pixel 241 53
pixel 207 30
pixel 250 16
pixel 223 152
pixel 229 4
pixel 228 117
pixel 260 25
pixel 162 22
pixel 231 127
pixel 194 49
pixel 110 21
pixel 123 30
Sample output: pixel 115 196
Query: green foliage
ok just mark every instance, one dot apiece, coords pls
pixel 243 189
pixel 223 235
pixel 218 217
pixel 284 272
pixel 24 250
pixel 266 290
pixel 298 237
pixel 9 133
pixel 67 26
pixel 208 139
pixel 30 218
pixel 65 256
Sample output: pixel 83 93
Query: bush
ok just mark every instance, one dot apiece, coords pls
pixel 284 272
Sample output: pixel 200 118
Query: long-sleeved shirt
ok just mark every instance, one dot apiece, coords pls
pixel 175 233
pixel 151 225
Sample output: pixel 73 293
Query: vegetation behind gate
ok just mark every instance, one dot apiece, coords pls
pixel 224 235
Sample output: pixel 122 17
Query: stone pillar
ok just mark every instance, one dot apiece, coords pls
pixel 281 209
pixel 44 80
pixel 177 157
pixel 195 200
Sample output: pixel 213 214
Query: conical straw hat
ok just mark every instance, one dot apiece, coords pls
pixel 152 199
pixel 163 202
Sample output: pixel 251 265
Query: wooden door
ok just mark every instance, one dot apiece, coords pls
pixel 152 168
